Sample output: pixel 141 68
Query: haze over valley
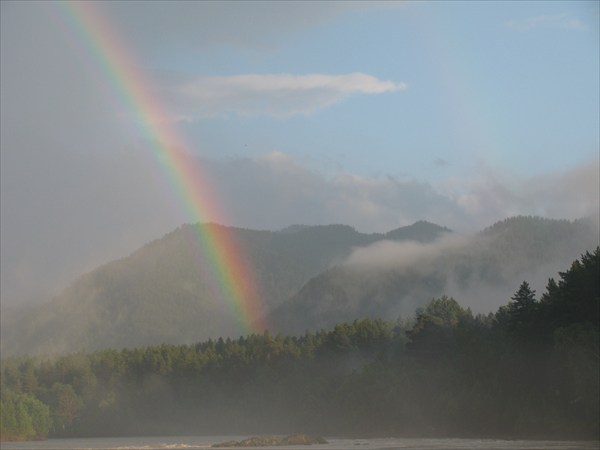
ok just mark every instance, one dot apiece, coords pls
pixel 310 121
pixel 309 278
pixel 333 217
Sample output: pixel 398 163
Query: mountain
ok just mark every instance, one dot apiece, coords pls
pixel 421 231
pixel 310 277
pixel 165 291
pixel 388 280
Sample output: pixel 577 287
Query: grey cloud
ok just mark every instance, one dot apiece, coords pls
pixel 69 200
pixel 571 193
pixel 192 27
pixel 51 95
pixel 64 213
pixel 275 191
pixel 441 162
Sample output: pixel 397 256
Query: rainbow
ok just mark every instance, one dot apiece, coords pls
pixel 134 91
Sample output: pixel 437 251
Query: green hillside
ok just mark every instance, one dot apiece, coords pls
pixel 481 270
pixel 528 369
pixel 165 291
pixel 309 278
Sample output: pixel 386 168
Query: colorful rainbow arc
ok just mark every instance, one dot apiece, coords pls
pixel 133 89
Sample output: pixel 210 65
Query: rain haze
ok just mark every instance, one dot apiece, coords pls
pixel 373 115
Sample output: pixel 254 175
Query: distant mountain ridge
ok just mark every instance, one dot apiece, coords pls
pixel 165 291
pixel 482 272
pixel 421 231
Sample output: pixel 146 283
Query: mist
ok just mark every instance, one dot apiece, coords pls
pixel 480 270
pixel 280 140
pixel 371 116
pixel 372 377
pixel 56 225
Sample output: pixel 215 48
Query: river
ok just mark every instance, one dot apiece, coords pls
pixel 203 442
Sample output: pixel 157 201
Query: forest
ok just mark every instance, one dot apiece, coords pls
pixel 530 369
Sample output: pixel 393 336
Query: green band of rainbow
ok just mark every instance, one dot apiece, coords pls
pixel 134 91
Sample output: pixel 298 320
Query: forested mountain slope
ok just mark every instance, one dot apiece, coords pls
pixel 528 369
pixel 391 279
pixel 165 292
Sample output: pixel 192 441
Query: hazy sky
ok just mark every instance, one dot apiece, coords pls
pixel 370 114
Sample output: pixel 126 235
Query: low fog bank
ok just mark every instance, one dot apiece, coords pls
pixel 442 373
pixel 483 270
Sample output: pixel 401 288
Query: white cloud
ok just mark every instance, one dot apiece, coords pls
pixel 271 94
pixel 405 254
pixel 570 193
pixel 276 190
pixel 547 21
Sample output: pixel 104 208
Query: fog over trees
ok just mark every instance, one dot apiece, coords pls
pixel 338 218
pixel 309 278
pixel 530 369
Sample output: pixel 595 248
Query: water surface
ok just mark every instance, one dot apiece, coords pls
pixel 203 442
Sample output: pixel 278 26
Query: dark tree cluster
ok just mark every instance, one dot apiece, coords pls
pixel 529 370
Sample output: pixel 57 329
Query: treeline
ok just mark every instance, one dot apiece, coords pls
pixel 529 370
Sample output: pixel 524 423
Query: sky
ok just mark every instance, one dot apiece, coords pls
pixel 374 115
